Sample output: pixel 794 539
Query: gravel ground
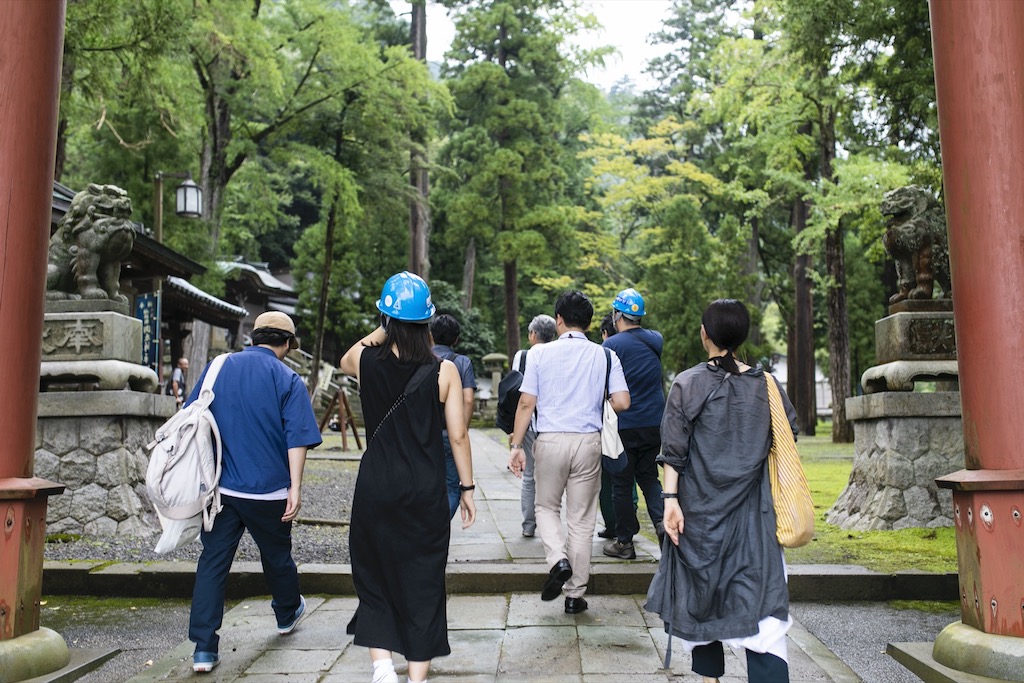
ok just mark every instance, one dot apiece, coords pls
pixel 858 633
pixel 326 495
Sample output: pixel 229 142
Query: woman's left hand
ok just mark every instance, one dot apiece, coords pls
pixel 468 507
pixel 673 520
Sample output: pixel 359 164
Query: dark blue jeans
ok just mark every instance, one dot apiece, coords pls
pixel 451 476
pixel 262 518
pixel 709 660
pixel 642 446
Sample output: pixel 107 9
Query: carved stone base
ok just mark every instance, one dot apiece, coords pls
pixel 900 375
pixel 106 375
pixel 902 443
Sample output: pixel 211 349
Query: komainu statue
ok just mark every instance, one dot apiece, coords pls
pixel 916 240
pixel 90 243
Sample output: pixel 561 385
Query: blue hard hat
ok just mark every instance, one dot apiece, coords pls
pixel 406 297
pixel 630 302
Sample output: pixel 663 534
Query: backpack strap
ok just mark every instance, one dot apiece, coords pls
pixel 411 386
pixel 211 373
pixel 645 342
pixel 522 362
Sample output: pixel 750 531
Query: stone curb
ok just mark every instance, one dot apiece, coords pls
pixel 807 583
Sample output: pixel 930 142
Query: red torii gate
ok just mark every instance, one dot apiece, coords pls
pixel 979 77
pixel 31 49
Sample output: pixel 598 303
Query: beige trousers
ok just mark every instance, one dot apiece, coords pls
pixel 571 463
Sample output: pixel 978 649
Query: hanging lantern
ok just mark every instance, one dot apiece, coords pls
pixel 188 200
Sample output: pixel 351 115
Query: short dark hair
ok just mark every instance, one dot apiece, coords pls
pixel 607 326
pixel 727 323
pixel 445 330
pixel 271 336
pixel 575 309
pixel 412 340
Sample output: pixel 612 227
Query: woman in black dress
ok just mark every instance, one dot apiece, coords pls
pixel 398 538
pixel 722 579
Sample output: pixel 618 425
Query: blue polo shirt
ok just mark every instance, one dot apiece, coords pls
pixel 642 368
pixel 262 409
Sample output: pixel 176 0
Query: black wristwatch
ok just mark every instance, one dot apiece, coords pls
pixel 667 494
pixel 463 487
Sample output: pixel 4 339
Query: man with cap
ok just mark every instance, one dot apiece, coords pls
pixel 639 350
pixel 266 425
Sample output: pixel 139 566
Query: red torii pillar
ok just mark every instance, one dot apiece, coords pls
pixel 979 77
pixel 31 49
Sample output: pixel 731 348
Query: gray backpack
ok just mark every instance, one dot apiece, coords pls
pixel 184 468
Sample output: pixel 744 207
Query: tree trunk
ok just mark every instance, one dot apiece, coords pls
pixel 838 335
pixel 801 354
pixel 838 318
pixel 750 271
pixel 419 208
pixel 468 273
pixel 325 291
pixel 511 308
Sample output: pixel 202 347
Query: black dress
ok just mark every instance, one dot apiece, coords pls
pixel 398 538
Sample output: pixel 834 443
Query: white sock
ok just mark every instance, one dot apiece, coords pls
pixel 384 671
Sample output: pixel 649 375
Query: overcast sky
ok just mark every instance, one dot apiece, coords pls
pixel 627 26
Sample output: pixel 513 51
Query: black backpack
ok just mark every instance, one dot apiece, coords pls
pixel 508 397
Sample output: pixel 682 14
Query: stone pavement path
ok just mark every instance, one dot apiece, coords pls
pixel 494 638
pixel 502 637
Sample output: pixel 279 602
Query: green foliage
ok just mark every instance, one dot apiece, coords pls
pixel 475 338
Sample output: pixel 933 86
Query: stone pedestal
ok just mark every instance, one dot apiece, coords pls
pixel 93 348
pixel 94 443
pixel 903 441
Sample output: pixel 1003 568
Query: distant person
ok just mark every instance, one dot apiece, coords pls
pixel 445 330
pixel 723 579
pixel 400 527
pixel 639 349
pixel 565 383
pixel 266 424
pixel 176 385
pixel 540 331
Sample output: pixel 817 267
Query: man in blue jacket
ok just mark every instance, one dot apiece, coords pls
pixel 639 350
pixel 266 424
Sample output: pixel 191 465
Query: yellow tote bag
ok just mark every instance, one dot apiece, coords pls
pixel 794 509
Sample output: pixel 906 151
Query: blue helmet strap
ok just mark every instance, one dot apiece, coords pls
pixel 384 319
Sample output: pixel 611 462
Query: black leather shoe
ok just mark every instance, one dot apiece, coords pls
pixel 575 605
pixel 558 575
pixel 606 533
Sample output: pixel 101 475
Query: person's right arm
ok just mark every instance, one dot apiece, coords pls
pixel 349 363
pixel 450 393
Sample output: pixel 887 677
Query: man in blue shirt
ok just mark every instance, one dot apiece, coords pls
pixel 266 425
pixel 639 426
pixel 445 330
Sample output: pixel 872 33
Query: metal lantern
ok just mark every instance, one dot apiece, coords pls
pixel 188 200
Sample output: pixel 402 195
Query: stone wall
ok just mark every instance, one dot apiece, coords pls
pixel 94 443
pixel 902 442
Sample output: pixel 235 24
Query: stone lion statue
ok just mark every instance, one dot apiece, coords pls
pixel 916 240
pixel 90 243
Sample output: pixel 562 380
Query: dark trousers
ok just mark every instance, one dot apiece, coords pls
pixel 451 475
pixel 642 446
pixel 709 660
pixel 262 518
pixel 605 500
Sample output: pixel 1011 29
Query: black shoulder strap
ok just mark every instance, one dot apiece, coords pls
pixel 417 379
pixel 522 362
pixel 607 373
pixel 421 373
pixel 646 343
